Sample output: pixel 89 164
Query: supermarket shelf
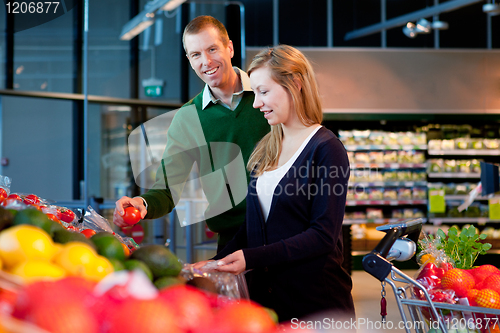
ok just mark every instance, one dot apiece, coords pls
pixel 388 166
pixel 389 184
pixel 365 252
pixel 454 175
pixel 463 197
pixel 469 152
pixel 385 202
pixel 384 147
pixel 375 221
pixel 479 220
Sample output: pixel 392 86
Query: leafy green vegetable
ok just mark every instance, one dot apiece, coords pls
pixel 463 247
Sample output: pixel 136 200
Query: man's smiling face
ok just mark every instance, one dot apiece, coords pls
pixel 209 58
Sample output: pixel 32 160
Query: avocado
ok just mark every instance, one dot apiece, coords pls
pixel 34 217
pixel 168 281
pixel 6 218
pixel 64 236
pixel 53 227
pixel 101 234
pixel 159 259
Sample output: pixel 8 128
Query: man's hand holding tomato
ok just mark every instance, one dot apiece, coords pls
pixel 119 216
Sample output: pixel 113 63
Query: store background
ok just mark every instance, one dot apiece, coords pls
pixel 384 81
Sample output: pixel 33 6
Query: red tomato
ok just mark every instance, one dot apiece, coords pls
pixel 31 199
pixel 3 194
pixel 131 215
pixel 88 233
pixel 14 197
pixel 37 207
pixel 9 201
pixel 72 228
pixel 65 215
pixel 53 218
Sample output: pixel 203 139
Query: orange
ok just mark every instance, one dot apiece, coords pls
pixel 488 298
pixel 459 280
pixel 76 258
pixel 23 242
pixel 126 250
pixel 494 328
pixel 427 258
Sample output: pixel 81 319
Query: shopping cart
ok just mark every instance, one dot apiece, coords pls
pixel 421 315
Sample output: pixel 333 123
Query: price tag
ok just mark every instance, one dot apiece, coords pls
pixel 494 208
pixel 436 201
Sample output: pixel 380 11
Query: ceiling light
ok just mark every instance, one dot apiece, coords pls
pixel 423 26
pixel 491 8
pixel 399 21
pixel 410 30
pixel 146 18
pixel 137 25
pixel 439 25
pixel 172 4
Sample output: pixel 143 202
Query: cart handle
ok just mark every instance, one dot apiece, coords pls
pixel 376 262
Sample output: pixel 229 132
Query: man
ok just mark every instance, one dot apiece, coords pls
pixel 224 111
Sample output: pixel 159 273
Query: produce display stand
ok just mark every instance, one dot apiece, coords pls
pixel 422 315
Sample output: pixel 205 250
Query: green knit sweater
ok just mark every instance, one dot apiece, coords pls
pixel 219 141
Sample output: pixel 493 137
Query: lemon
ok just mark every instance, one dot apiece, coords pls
pixel 76 258
pixel 35 270
pixel 23 242
pixel 101 267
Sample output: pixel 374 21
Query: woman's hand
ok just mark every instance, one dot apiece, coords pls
pixel 199 265
pixel 234 263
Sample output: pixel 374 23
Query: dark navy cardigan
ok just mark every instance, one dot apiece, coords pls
pixel 296 256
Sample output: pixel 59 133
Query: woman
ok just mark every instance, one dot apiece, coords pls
pixel 292 240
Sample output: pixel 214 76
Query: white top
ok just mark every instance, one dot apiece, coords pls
pixel 267 182
pixel 237 96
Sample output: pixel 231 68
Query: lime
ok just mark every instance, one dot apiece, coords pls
pixel 108 246
pixel 132 264
pixel 117 264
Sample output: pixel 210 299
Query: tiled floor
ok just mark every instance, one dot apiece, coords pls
pixel 367 295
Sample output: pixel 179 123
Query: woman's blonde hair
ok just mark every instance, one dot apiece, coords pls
pixel 290 69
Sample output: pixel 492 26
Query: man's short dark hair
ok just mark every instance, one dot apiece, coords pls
pixel 202 22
